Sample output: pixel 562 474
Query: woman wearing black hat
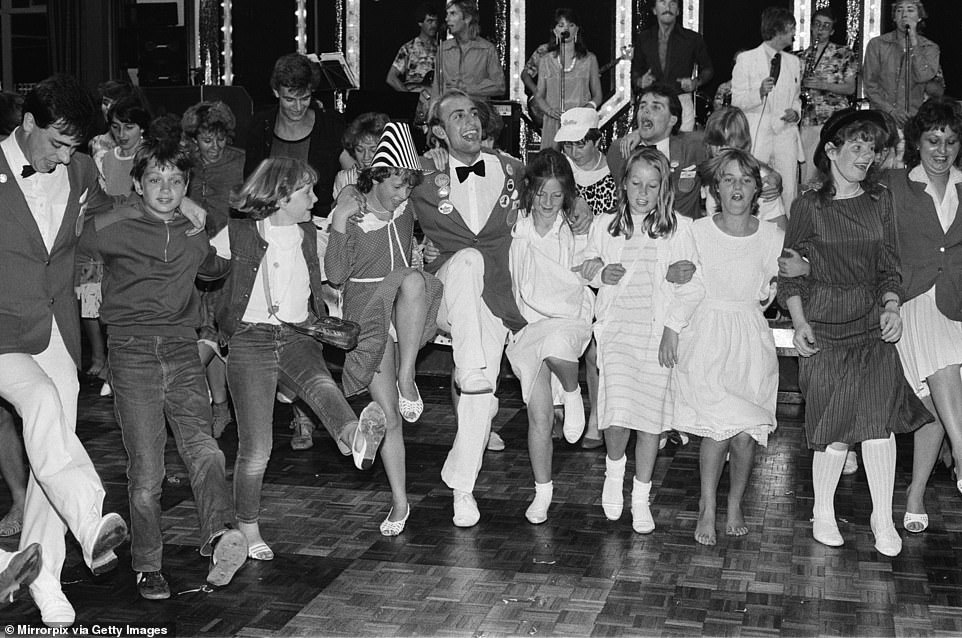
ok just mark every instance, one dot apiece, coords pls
pixel 846 319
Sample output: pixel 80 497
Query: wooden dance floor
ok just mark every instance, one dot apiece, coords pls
pixel 576 575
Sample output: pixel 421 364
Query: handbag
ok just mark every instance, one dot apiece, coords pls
pixel 333 331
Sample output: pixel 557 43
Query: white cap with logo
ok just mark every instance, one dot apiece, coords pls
pixel 575 123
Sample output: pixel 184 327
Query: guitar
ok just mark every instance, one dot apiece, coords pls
pixel 537 115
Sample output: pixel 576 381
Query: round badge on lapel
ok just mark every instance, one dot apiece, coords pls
pixel 3 178
pixel 443 192
pixel 445 207
pixel 441 180
pixel 510 184
pixel 504 201
pixel 509 169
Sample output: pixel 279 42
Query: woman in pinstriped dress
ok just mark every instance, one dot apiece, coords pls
pixel 846 318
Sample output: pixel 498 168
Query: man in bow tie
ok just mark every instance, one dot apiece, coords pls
pixel 467 209
pixel 44 189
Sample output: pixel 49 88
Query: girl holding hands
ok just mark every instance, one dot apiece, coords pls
pixel 395 304
pixel 639 315
pixel 558 308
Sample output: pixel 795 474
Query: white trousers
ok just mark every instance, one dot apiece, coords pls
pixel 810 136
pixel 63 490
pixel 780 151
pixel 477 338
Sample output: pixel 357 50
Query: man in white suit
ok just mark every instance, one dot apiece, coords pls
pixel 766 85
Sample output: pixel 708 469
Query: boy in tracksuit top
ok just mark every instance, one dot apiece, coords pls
pixel 152 253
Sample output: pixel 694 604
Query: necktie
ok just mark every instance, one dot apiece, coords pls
pixel 27 171
pixel 464 171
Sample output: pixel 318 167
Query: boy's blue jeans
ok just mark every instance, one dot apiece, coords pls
pixel 261 355
pixel 153 378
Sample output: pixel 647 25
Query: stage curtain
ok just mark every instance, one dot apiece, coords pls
pixel 64 27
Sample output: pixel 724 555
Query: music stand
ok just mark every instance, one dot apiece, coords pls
pixel 336 73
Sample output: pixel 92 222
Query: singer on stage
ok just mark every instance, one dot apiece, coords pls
pixel 765 85
pixel 567 75
pixel 901 68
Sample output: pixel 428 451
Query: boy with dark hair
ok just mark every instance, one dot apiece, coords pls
pixel 151 255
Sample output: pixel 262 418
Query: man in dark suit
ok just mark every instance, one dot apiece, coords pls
pixel 658 117
pixel 44 192
pixel 669 53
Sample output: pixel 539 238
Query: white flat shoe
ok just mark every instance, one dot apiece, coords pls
pixel 466 512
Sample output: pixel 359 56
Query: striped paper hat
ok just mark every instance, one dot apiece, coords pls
pixel 396 149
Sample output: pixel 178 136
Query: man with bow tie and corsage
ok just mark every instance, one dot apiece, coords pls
pixel 467 210
pixel 44 192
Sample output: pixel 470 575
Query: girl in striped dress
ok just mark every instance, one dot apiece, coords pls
pixel 639 315
pixel 395 304
pixel 846 319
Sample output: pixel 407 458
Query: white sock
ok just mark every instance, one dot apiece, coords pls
pixel 878 459
pixel 574 421
pixel 615 469
pixel 826 470
pixel 537 512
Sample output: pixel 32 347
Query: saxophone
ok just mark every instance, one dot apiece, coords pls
pixel 810 62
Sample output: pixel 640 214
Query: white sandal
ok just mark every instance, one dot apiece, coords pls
pixel 393 528
pixel 410 410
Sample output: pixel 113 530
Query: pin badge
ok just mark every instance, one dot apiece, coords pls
pixel 441 180
pixel 445 207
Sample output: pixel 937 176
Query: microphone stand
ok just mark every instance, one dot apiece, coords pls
pixel 908 71
pixel 561 59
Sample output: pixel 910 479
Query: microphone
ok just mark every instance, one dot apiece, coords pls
pixel 776 67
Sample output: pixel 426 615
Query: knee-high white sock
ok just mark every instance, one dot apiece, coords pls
pixel 878 458
pixel 826 470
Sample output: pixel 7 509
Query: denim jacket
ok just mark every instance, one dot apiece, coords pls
pixel 247 249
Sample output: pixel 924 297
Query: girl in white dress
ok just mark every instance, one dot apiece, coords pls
pixel 558 308
pixel 639 315
pixel 726 380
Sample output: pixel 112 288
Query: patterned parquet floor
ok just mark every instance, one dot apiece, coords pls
pixel 576 575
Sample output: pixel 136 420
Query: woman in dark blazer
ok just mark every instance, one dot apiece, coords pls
pixel 927 194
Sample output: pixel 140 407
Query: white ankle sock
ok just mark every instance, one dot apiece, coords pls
pixel 826 470
pixel 878 459
pixel 537 512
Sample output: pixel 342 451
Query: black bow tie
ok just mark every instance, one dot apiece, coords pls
pixel 464 171
pixel 27 171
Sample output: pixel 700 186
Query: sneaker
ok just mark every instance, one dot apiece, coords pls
pixel 152 586
pixel 229 555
